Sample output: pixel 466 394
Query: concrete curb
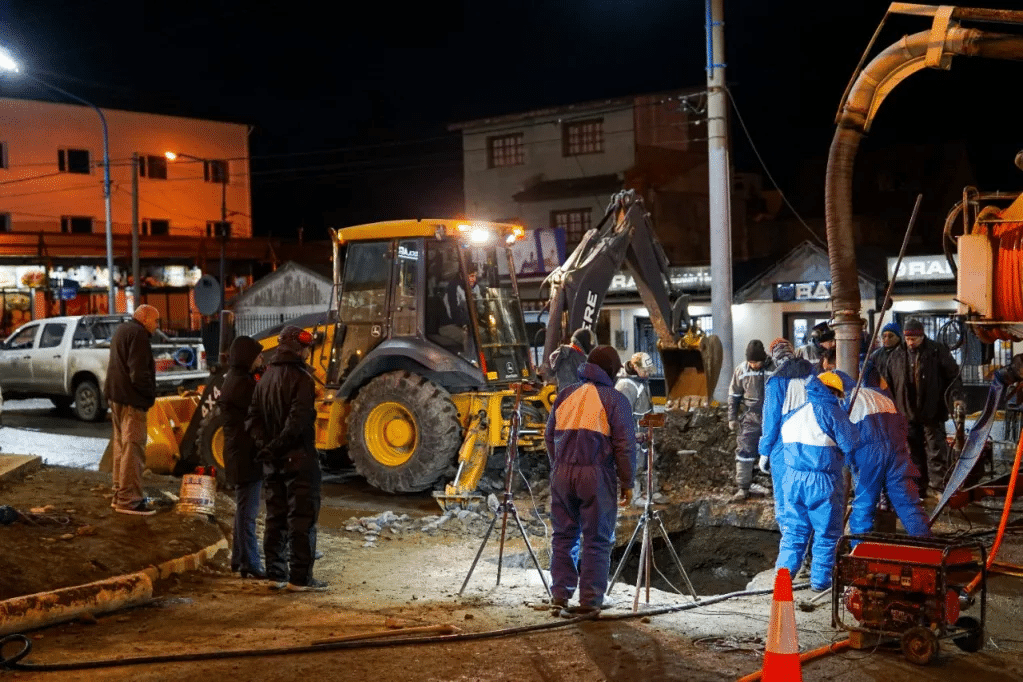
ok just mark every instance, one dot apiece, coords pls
pixel 17 466
pixel 66 604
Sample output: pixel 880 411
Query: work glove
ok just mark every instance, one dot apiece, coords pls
pixel 626 498
pixel 764 464
pixel 732 424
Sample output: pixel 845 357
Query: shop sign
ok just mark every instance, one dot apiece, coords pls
pixel 921 269
pixel 785 292
pixel 64 289
pixel 685 278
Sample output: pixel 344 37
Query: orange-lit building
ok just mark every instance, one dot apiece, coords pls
pixel 53 219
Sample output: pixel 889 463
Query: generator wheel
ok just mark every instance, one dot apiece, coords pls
pixel 919 645
pixel 403 431
pixel 209 443
pixel 973 640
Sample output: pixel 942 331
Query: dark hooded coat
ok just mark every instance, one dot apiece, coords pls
pixel 234 401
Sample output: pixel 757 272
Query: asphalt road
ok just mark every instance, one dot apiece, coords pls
pixel 36 427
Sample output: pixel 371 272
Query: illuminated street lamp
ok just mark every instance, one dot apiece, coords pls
pixel 222 350
pixel 7 63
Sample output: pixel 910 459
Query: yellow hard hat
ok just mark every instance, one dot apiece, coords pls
pixel 832 380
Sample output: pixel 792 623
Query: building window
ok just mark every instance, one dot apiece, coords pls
pixel 583 137
pixel 5 222
pixel 215 171
pixel 155 228
pixel 574 222
pixel 506 150
pixel 73 161
pixel 76 225
pixel 215 228
pixel 153 167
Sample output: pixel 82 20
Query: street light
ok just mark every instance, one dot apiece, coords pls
pixel 7 63
pixel 221 351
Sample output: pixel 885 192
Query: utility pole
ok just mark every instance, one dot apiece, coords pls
pixel 222 355
pixel 719 171
pixel 135 269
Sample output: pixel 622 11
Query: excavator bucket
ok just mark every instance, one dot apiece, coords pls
pixel 690 374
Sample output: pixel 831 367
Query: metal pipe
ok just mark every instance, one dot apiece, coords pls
pixel 893 65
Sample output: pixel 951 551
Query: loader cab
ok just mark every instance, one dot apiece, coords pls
pixel 431 303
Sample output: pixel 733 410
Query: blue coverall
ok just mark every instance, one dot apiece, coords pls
pixel 814 438
pixel 882 462
pixel 784 393
pixel 591 443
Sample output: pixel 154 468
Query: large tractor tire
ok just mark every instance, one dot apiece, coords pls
pixel 209 443
pixel 403 432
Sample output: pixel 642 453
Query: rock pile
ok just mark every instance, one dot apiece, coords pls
pixel 695 453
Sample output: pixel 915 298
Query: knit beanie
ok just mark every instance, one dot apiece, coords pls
pixel 914 328
pixel 893 328
pixel 781 350
pixel 606 358
pixel 294 338
pixel 585 339
pixel 755 351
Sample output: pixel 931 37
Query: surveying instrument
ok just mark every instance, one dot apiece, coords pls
pixel 646 559
pixel 507 505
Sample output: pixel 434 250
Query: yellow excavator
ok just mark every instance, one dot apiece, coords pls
pixel 625 236
pixel 415 362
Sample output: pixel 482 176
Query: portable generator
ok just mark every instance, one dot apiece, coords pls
pixel 912 589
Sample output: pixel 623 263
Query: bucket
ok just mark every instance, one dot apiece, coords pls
pixel 198 494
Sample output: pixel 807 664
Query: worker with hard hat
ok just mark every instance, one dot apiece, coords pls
pixel 816 440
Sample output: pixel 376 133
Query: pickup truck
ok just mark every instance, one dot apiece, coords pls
pixel 65 359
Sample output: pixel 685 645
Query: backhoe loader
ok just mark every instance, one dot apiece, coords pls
pixel 414 362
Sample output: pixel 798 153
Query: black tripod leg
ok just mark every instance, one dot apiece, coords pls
pixel 478 554
pixel 674 555
pixel 506 505
pixel 625 554
pixel 532 555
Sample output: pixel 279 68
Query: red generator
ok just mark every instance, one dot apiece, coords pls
pixel 894 586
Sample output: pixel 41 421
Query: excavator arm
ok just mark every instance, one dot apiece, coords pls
pixel 625 236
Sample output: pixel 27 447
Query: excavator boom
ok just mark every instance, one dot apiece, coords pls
pixel 625 236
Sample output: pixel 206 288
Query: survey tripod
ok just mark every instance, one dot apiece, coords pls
pixel 646 559
pixel 507 505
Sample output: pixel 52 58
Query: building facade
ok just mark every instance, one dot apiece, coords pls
pixel 53 217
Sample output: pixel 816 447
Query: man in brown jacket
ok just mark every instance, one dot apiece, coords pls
pixel 130 388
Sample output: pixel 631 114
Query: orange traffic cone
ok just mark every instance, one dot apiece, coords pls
pixel 781 655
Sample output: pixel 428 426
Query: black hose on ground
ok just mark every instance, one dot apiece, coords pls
pixel 13 663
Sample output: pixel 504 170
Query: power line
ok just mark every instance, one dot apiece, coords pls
pixel 768 172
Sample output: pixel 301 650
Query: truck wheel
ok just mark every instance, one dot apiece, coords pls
pixel 403 432
pixel 209 443
pixel 89 403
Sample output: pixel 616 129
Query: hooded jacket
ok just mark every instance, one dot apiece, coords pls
pixel 815 436
pixel 283 411
pixel 234 401
pixel 591 424
pixel 131 370
pixel 783 392
pixel 565 362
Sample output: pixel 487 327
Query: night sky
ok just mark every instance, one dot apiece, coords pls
pixel 350 115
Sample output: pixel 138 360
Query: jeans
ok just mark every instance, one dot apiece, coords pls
pixel 245 546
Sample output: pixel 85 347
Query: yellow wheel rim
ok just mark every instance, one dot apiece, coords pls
pixel 217 447
pixel 391 434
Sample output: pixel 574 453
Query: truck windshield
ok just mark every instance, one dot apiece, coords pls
pixel 495 304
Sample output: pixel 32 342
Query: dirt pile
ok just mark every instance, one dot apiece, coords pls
pixel 695 453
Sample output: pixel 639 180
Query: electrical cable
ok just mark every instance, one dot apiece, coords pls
pixel 768 172
pixel 13 662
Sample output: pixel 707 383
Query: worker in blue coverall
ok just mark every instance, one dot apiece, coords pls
pixel 784 392
pixel 591 443
pixel 882 462
pixel 816 440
